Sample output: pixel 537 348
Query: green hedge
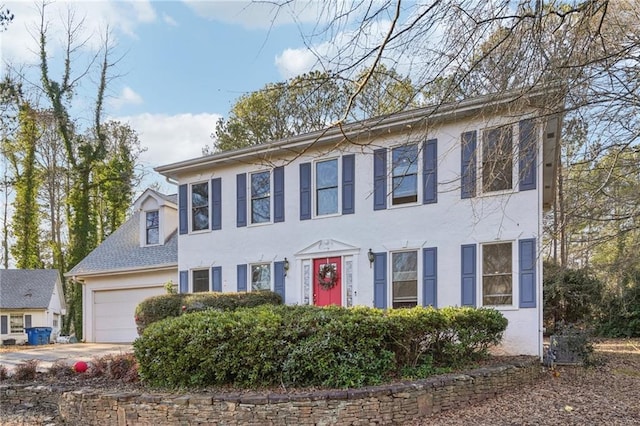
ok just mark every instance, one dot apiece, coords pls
pixel 310 346
pixel 157 308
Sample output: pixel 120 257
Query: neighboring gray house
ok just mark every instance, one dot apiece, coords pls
pixel 30 298
pixel 133 263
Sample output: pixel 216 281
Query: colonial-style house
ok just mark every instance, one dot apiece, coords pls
pixel 133 263
pixel 436 206
pixel 30 298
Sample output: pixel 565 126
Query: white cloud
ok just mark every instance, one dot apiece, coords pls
pixel 18 45
pixel 169 20
pixel 127 97
pixel 262 15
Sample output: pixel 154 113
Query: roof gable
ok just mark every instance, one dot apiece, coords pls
pixel 27 288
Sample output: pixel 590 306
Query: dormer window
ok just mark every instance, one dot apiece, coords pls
pixel 153 227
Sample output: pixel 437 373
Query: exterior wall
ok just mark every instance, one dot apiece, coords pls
pixel 447 225
pixel 131 280
pixel 39 318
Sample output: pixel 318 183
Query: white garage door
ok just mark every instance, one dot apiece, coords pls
pixel 114 311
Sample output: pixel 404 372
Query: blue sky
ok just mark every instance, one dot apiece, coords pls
pixel 183 62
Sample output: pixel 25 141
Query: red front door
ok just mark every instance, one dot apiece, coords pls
pixel 323 278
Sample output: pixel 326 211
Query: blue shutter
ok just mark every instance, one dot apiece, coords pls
pixel 216 203
pixel 468 275
pixel 241 200
pixel 527 260
pixel 4 325
pixel 216 278
pixel 468 172
pixel 348 183
pixel 430 171
pixel 380 280
pixel 430 277
pixel 27 321
pixel 183 216
pixel 278 194
pixel 528 155
pixel 380 179
pixel 242 277
pixel 305 191
pixel 184 281
pixel 278 279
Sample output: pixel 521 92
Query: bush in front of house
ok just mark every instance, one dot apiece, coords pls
pixel 310 346
pixel 157 308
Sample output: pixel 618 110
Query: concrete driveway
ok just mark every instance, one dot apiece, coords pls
pixel 69 353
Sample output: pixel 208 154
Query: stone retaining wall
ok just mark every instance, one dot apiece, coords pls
pixel 388 404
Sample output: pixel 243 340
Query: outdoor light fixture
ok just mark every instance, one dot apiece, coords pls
pixel 371 257
pixel 286 266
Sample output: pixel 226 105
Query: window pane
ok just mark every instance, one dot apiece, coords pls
pixel 405 160
pixel 201 280
pixel 327 174
pixel 405 178
pixel 497 159
pixel 261 277
pixel 16 323
pixel 405 279
pixel 200 206
pixel 260 210
pixel 497 280
pixel 260 184
pixel 153 235
pixel 327 201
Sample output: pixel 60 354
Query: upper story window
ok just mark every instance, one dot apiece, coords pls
pixel 152 227
pixel 404 169
pixel 404 279
pixel 497 159
pixel 261 276
pixel 200 206
pixel 261 197
pixel 327 187
pixel 200 280
pixel 497 279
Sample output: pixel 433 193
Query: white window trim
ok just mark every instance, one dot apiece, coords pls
pixel 192 281
pixel 314 201
pixel 419 188
pixel 515 164
pixel 145 229
pixel 419 266
pixel 250 200
pixel 10 330
pixel 515 265
pixel 190 195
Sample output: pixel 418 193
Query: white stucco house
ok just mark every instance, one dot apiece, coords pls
pixel 133 263
pixel 30 298
pixel 435 206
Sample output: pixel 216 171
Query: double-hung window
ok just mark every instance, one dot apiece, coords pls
pixel 404 170
pixel 261 197
pixel 16 323
pixel 200 206
pixel 327 187
pixel 404 279
pixel 200 280
pixel 260 276
pixel 152 227
pixel 497 159
pixel 497 274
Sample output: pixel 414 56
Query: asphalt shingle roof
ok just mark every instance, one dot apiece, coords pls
pixel 27 288
pixel 121 251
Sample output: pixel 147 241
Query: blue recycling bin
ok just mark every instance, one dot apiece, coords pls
pixel 38 335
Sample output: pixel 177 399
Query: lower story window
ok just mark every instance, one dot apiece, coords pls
pixel 261 276
pixel 404 279
pixel 201 280
pixel 16 323
pixel 497 280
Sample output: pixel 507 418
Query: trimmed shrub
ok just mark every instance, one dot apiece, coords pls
pixel 310 346
pixel 157 308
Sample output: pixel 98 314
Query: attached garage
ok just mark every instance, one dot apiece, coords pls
pixel 114 312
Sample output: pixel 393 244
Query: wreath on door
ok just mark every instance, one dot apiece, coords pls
pixel 327 276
